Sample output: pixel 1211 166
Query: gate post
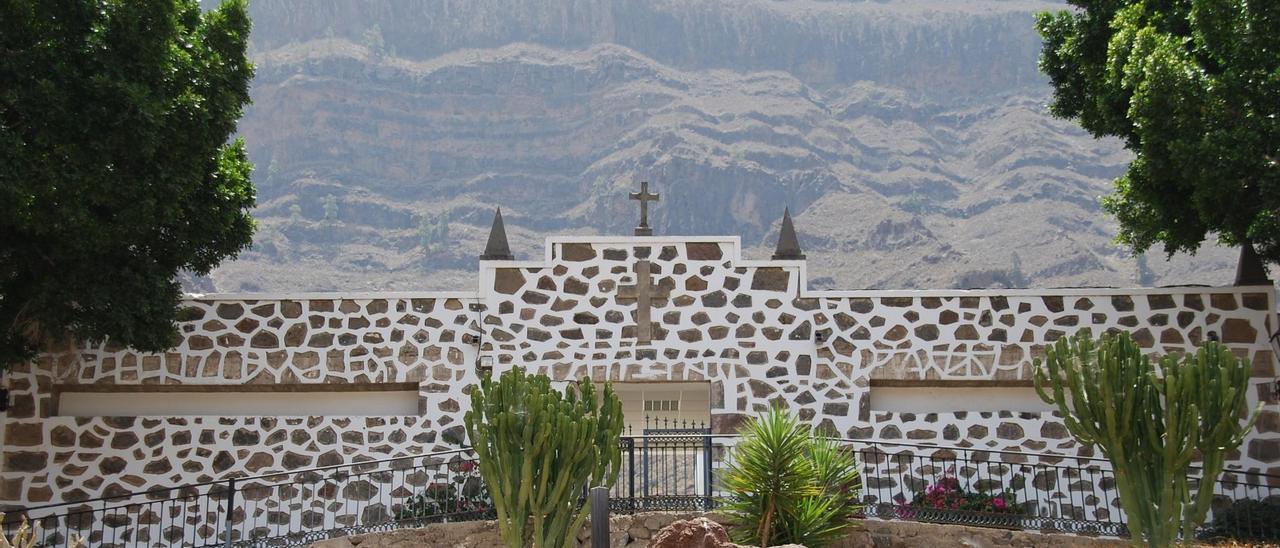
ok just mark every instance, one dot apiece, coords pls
pixel 231 502
pixel 599 517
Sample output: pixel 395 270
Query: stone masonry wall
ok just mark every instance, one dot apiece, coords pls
pixel 745 327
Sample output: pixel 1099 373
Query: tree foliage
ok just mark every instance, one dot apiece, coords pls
pixel 1193 89
pixel 116 172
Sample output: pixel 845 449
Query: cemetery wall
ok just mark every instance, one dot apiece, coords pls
pixel 749 329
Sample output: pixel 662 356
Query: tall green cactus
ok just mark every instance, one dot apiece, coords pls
pixel 539 449
pixel 1151 423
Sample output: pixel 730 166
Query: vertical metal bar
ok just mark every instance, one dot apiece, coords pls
pixel 644 455
pixel 231 502
pixel 706 472
pixel 631 472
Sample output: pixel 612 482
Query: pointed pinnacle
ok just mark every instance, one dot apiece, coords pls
pixel 788 244
pixel 497 248
pixel 1249 268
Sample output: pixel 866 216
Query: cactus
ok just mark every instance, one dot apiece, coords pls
pixel 1151 423
pixel 540 449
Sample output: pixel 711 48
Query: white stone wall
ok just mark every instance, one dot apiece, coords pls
pixel 746 327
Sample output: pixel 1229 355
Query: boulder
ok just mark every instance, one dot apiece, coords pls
pixel 694 533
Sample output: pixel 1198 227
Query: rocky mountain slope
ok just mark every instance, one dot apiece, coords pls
pixel 909 138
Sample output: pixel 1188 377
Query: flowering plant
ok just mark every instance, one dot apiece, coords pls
pixel 948 494
pixel 463 492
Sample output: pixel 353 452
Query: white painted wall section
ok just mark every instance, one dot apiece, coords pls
pixel 952 399
pixel 264 404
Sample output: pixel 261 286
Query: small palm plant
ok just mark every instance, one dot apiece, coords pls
pixel 788 486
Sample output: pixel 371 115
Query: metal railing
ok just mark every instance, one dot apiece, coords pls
pixel 663 469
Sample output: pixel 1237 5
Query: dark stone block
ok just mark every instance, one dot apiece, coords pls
pixel 230 311
pixel 1009 431
pixel 1238 330
pixel 112 465
pixel 124 440
pixel 577 252
pixel 770 279
pixel 1122 303
pixel 1223 301
pixel 927 332
pixel 715 299
pixel 245 437
pixel 1054 430
pixel 804 365
pixel 222 462
pixel 505 280
pixel 613 254
pixel 576 286
pixel 1160 302
pixel 533 297
pixel 921 434
pixel 704 251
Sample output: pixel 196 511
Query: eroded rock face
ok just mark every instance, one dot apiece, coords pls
pixel 693 533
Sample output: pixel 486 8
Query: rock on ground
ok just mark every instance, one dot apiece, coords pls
pixel 693 533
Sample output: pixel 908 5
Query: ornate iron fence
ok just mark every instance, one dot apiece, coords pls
pixel 673 468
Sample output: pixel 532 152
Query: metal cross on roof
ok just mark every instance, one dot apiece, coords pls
pixel 644 197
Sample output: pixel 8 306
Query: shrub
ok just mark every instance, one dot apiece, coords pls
pixel 463 495
pixel 948 494
pixel 789 487
pixel 1247 520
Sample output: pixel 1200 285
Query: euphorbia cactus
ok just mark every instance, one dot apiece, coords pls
pixel 540 449
pixel 1151 423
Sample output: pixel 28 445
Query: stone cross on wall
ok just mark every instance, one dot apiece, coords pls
pixel 644 197
pixel 643 292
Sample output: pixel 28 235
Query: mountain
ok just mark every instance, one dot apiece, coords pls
pixel 909 138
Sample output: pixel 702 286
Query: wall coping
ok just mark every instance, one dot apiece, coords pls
pixel 485 272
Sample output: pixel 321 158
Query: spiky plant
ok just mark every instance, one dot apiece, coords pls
pixel 25 537
pixel 787 486
pixel 827 517
pixel 1151 423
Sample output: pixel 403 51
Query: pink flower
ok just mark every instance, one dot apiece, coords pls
pixel 999 503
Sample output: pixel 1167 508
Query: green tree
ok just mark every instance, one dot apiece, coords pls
pixel 330 205
pixel 116 172
pixel 1193 89
pixel 1016 276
